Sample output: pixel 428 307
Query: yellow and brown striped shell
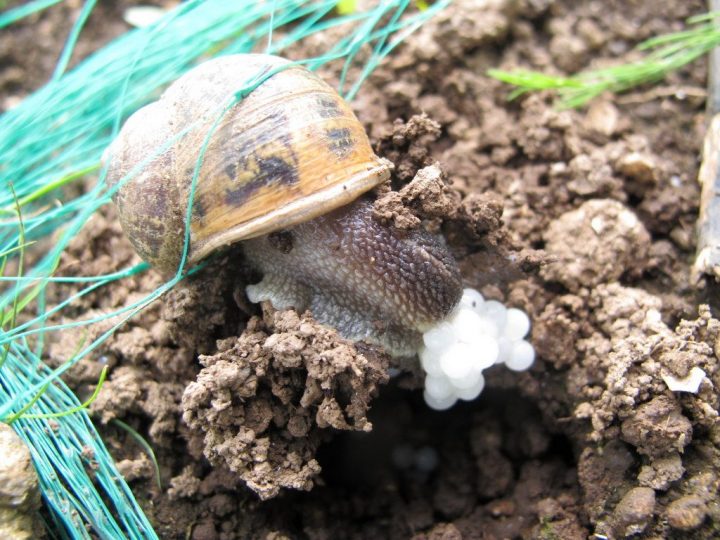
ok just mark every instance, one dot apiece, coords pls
pixel 289 151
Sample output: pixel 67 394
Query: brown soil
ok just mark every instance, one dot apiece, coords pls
pixel 583 218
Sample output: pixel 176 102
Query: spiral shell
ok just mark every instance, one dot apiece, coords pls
pixel 289 151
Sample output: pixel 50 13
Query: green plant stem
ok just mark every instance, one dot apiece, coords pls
pixel 661 55
pixel 146 446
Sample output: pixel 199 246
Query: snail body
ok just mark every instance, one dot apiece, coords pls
pixel 367 280
pixel 279 172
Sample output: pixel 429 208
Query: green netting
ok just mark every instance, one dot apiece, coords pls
pixel 56 137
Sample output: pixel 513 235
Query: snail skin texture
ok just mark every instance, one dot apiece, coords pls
pixel 369 281
pixel 284 172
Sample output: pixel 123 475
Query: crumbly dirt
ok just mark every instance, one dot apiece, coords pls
pixel 263 403
pixel 585 219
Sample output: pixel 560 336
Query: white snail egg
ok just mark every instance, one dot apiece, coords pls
pixel 517 324
pixel 439 337
pixel 457 361
pixel 466 325
pixel 469 381
pixel 521 357
pixel 476 335
pixel 486 350
pixel 497 312
pixel 426 458
pixel 473 300
pixel 430 361
pixel 505 349
pixel 438 387
pixel 439 404
pixel 468 394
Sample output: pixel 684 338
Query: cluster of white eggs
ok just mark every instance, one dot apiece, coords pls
pixel 478 334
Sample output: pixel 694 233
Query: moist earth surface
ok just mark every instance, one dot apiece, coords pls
pixel 266 424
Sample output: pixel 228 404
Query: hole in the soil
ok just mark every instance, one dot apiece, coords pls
pixel 710 294
pixel 634 200
pixel 556 288
pixel 561 447
pixel 411 444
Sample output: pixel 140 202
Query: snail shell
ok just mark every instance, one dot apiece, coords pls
pixel 289 151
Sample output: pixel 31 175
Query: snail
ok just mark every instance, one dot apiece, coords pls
pixel 284 172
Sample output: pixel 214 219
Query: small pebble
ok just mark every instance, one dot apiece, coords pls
pixel 143 16
pixel 634 511
pixel 686 513
pixel 19 492
pixel 690 383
